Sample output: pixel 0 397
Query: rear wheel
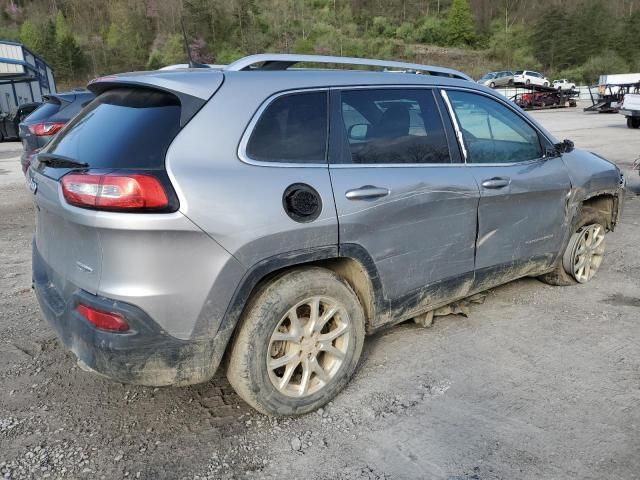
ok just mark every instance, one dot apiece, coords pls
pixel 584 252
pixel 492 84
pixel 546 84
pixel 299 343
pixel 528 81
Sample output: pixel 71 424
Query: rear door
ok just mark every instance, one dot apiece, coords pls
pixel 402 194
pixel 523 194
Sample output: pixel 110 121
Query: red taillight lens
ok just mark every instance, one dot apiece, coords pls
pixel 114 192
pixel 43 129
pixel 113 322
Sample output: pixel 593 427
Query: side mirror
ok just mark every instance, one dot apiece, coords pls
pixel 358 131
pixel 565 146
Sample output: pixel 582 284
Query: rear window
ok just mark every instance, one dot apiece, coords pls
pixel 43 112
pixel 122 128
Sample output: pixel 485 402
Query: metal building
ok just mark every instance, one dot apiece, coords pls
pixel 24 76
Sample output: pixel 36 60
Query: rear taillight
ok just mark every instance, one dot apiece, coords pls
pixel 44 129
pixel 114 192
pixel 113 322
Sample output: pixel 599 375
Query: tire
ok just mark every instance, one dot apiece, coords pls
pixel 546 84
pixel 633 122
pixel 492 84
pixel 528 82
pixel 267 333
pixel 562 274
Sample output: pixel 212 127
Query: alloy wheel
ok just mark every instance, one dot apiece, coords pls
pixel 308 346
pixel 586 252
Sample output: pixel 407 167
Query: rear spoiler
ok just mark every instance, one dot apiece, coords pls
pixel 191 87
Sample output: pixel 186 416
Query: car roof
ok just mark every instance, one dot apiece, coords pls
pixel 70 96
pixel 272 71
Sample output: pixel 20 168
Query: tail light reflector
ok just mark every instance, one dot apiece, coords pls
pixel 114 192
pixel 43 129
pixel 113 322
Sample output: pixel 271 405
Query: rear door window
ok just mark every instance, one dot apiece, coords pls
pixel 387 126
pixel 122 128
pixel 292 129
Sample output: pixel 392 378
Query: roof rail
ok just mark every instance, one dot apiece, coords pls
pixel 282 61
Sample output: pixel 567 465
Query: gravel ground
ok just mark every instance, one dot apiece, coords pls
pixel 538 382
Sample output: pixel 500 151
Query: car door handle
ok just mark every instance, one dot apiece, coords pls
pixel 496 182
pixel 367 192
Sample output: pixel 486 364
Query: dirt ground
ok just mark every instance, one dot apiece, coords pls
pixel 539 382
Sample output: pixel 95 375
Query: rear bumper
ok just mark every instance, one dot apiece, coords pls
pixel 629 113
pixel 145 355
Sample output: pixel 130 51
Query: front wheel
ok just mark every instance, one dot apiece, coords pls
pixel 528 81
pixel 492 84
pixel 584 253
pixel 299 342
pixel 546 84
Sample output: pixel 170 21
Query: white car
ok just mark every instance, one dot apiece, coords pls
pixel 563 84
pixel 630 108
pixel 529 77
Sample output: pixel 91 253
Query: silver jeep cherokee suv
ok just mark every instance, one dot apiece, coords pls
pixel 273 217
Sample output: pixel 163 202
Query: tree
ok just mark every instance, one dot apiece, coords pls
pixel 68 59
pixel 460 24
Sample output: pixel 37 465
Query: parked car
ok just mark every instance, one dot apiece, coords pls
pixel 529 77
pixel 564 84
pixel 274 218
pixel 538 99
pixel 497 79
pixel 630 108
pixel 48 119
pixel 9 121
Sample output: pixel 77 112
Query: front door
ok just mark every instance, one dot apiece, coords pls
pixel 402 196
pixel 522 215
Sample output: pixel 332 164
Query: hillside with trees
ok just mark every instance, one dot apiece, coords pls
pixel 83 39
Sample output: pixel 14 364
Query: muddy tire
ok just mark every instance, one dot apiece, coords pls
pixel 298 343
pixel 562 274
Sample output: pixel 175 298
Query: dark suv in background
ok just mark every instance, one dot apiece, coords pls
pixel 56 110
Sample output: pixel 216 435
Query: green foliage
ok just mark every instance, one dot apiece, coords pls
pixel 512 47
pixel 432 30
pixel 461 29
pixel 55 41
pixel 578 39
pixel 608 62
pixel 169 52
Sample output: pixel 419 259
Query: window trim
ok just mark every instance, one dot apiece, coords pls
pixel 541 136
pixel 339 137
pixel 243 155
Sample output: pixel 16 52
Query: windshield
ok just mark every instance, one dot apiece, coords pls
pixel 488 76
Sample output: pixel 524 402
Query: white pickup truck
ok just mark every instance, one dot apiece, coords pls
pixel 630 108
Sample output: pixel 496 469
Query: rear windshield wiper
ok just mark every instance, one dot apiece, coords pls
pixel 52 160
